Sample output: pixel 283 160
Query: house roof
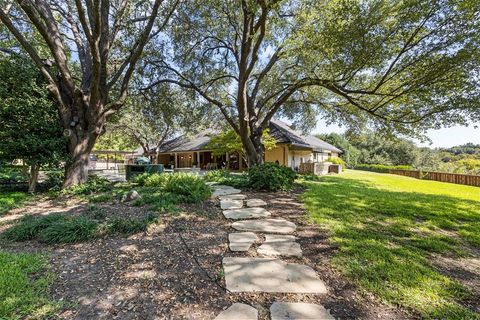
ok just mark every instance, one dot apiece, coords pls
pixel 187 142
pixel 278 129
pixel 284 134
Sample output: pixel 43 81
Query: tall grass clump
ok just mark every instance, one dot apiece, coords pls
pixel 188 187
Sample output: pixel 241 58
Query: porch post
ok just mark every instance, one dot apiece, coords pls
pixel 198 160
pixel 176 160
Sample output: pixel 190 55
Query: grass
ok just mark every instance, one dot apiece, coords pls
pixel 59 228
pixel 387 227
pixel 24 285
pixel 11 200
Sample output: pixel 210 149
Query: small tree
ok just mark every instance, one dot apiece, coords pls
pixel 229 142
pixel 29 121
pixel 108 39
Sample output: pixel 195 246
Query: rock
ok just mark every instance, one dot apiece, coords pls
pixel 238 311
pixel 265 225
pixel 233 197
pixel 241 241
pixel 246 213
pixel 298 311
pixel 280 245
pixel 130 196
pixel 231 204
pixel 245 274
pixel 256 203
pixel 225 191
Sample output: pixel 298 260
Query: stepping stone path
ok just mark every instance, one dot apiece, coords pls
pixel 256 203
pixel 246 213
pixel 245 274
pixel 280 245
pixel 231 204
pixel 241 241
pixel 221 190
pixel 265 225
pixel 238 311
pixel 265 274
pixel 305 311
pixel 233 197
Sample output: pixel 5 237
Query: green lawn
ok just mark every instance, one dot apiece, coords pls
pixel 10 200
pixel 24 285
pixel 387 227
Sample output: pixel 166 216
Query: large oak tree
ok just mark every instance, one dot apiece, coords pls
pixel 402 66
pixel 92 50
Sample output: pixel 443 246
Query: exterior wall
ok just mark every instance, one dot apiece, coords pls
pixel 334 155
pixel 276 154
pixel 163 159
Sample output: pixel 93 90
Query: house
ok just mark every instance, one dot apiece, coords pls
pixel 293 148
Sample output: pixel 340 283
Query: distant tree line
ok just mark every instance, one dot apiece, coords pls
pixel 371 148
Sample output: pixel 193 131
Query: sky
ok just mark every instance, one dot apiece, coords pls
pixel 446 137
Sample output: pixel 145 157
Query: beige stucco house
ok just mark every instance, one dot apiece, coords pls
pixel 293 148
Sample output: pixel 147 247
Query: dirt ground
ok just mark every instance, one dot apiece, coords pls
pixel 174 271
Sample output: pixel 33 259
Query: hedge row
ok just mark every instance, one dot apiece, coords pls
pixel 380 167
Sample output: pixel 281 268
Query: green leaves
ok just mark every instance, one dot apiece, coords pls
pixel 29 123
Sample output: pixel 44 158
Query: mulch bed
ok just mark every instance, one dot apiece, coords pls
pixel 175 270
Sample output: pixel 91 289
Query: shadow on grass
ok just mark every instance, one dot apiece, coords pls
pixel 386 239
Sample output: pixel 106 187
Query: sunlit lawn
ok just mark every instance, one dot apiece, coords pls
pixel 24 287
pixel 387 228
pixel 12 199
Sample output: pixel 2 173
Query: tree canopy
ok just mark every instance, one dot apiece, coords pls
pixel 397 66
pixel 29 121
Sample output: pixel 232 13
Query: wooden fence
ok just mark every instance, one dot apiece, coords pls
pixel 466 179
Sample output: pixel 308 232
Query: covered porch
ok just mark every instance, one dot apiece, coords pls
pixel 202 159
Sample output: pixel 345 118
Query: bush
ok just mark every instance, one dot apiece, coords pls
pixel 337 161
pixel 271 177
pixel 141 178
pixel 190 188
pixel 69 230
pixel 28 227
pixel 55 179
pixel 380 167
pixel 94 184
pixel 131 225
pixel 226 178
pixel 59 228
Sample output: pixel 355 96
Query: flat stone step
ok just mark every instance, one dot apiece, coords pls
pixel 241 241
pixel 231 204
pixel 265 225
pixel 237 196
pixel 280 245
pixel 225 191
pixel 256 203
pixel 238 311
pixel 245 274
pixel 246 213
pixel 298 311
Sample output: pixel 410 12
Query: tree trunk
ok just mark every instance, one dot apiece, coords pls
pixel 254 150
pixel 76 169
pixel 33 177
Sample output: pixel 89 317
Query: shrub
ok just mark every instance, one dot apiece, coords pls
pixel 69 230
pixel 190 188
pixel 28 227
pixel 337 161
pixel 380 167
pixel 54 228
pixel 217 175
pixel 271 177
pixel 94 184
pixel 225 177
pixel 141 178
pixel 54 179
pixel 131 225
